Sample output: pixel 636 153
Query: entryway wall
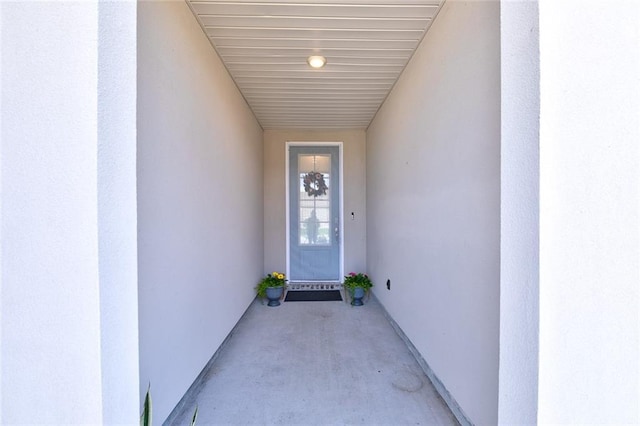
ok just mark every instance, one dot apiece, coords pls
pixel 199 201
pixel 354 147
pixel 433 174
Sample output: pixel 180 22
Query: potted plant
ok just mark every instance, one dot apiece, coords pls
pixel 357 285
pixel 272 287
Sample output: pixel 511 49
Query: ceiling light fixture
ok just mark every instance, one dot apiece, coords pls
pixel 316 61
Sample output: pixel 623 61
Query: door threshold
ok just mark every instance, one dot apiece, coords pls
pixel 314 285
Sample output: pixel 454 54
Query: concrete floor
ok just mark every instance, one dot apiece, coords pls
pixel 315 363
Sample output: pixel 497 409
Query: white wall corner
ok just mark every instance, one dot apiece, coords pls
pixel 117 210
pixel 519 213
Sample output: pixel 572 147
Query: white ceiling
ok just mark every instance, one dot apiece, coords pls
pixel 265 45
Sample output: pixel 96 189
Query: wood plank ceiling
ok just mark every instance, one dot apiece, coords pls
pixel 265 45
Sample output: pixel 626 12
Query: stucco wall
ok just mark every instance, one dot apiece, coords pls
pixel 589 213
pixel 275 194
pixel 199 201
pixel 433 177
pixel 50 215
pixel 68 306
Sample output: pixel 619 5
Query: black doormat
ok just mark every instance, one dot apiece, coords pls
pixel 313 296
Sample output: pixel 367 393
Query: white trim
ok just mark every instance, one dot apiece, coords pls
pixel 341 201
pixel 286 208
pixel 341 212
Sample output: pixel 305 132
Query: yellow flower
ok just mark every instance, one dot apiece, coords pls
pixel 274 274
pixel 280 276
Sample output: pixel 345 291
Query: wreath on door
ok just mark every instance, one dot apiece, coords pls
pixel 314 184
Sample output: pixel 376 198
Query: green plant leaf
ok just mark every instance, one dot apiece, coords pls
pixel 195 416
pixel 145 418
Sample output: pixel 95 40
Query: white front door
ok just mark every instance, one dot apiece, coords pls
pixel 314 220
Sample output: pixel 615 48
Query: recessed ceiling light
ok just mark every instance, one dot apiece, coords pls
pixel 316 61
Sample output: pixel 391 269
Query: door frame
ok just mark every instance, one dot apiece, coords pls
pixel 288 145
